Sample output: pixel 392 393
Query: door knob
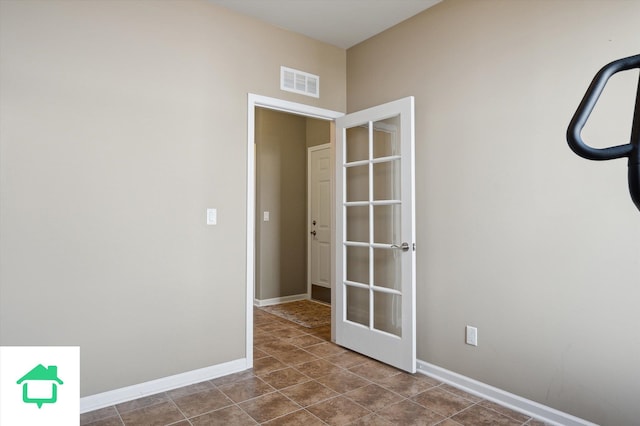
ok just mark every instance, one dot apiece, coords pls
pixel 314 233
pixel 403 246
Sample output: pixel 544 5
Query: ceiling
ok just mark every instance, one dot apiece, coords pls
pixel 342 23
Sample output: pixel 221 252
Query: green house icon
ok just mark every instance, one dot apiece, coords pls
pixel 43 376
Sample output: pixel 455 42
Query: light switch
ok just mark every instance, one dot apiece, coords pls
pixel 265 216
pixel 212 216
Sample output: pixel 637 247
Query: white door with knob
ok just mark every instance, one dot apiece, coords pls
pixel 320 188
pixel 375 233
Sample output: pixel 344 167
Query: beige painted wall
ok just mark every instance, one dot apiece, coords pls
pixel 121 122
pixel 516 235
pixel 281 189
pixel 318 132
pixel 281 171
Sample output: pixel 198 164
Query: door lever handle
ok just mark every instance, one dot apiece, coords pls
pixel 403 246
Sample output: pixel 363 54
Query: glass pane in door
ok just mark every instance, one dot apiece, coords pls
pixel 387 224
pixel 357 184
pixel 357 218
pixel 388 313
pixel 358 305
pixel 357 143
pixel 357 263
pixel 386 137
pixel 387 268
pixel 386 180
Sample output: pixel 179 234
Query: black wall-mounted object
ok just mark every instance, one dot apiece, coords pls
pixel 631 149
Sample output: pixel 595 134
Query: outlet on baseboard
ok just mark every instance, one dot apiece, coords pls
pixel 472 336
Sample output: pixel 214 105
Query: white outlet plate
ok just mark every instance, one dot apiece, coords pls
pixel 472 336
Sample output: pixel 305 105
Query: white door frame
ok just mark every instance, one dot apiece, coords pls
pixel 284 106
pixel 310 150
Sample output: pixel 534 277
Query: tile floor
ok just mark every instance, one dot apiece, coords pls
pixel 301 378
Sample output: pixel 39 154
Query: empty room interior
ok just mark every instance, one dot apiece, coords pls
pixel 157 190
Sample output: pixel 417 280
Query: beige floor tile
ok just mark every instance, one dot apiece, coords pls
pixel 296 356
pixel 374 370
pixel 146 401
pixel 442 402
pixel 94 416
pixel 246 389
pixel 309 393
pixel 406 384
pixel 188 390
pixel 325 349
pixel 338 411
pixel 373 397
pixel 232 378
pixel 479 415
pixel 276 347
pixel 297 418
pixel 229 416
pixel 371 420
pixel 289 332
pixel 410 414
pixel 266 365
pixel 109 421
pixel 202 402
pixel 323 332
pixel 304 340
pixel 268 407
pixel 343 381
pixel 257 354
pixel 448 422
pixel 318 368
pixel 460 392
pixel 263 339
pixel 284 378
pixel 347 359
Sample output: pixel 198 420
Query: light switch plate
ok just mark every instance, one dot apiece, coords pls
pixel 212 216
pixel 265 216
pixel 472 335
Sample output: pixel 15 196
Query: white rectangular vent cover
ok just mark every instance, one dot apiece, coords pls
pixel 299 82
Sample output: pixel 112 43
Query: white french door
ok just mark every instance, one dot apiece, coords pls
pixel 375 233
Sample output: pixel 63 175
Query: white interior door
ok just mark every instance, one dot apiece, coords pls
pixel 320 178
pixel 375 233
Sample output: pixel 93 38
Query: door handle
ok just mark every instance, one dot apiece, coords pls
pixel 313 233
pixel 403 246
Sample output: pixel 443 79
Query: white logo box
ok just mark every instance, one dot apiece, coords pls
pixel 40 385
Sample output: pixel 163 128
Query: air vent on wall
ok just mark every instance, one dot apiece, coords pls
pixel 299 82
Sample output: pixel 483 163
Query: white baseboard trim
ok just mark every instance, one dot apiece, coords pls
pixel 117 396
pixel 277 300
pixel 509 400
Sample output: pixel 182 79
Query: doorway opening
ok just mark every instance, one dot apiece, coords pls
pixel 293 207
pixel 255 211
